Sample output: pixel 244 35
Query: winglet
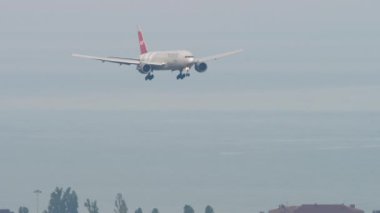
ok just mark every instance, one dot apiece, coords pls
pixel 143 48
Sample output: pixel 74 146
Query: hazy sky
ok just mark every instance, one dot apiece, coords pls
pixel 299 55
pixel 302 55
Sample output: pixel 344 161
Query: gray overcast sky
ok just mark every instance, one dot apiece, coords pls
pixel 300 56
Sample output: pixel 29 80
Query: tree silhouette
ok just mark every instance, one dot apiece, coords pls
pixel 63 201
pixel 188 209
pixel 55 203
pixel 139 210
pixel 92 207
pixel 70 199
pixel 120 204
pixel 23 209
pixel 209 209
pixel 155 210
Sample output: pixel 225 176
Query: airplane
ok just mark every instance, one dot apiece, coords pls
pixel 178 60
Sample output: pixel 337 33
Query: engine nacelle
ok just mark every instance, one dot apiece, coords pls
pixel 144 68
pixel 201 67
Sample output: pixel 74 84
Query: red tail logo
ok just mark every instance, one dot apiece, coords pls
pixel 142 44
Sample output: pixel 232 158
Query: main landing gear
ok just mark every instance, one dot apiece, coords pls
pixel 149 77
pixel 183 75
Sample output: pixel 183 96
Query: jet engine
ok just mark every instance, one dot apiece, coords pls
pixel 144 68
pixel 201 67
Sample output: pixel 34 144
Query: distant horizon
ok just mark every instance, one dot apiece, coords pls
pixel 351 205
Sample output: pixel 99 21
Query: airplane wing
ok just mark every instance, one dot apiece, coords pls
pixel 126 61
pixel 218 56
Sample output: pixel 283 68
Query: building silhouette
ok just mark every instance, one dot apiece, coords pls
pixel 317 208
pixel 5 211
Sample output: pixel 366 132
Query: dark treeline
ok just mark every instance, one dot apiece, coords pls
pixel 23 209
pixel 66 201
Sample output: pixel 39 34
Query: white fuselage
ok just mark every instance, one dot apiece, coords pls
pixel 171 60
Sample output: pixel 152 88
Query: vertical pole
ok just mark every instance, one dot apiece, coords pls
pixel 37 192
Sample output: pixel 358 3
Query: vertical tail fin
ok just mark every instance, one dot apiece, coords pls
pixel 142 44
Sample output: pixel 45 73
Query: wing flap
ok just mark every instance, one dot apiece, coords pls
pixel 127 61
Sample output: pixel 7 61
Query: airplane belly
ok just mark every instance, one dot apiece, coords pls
pixel 171 60
pixel 174 65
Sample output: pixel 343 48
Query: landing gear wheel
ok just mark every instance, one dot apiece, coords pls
pixel 149 77
pixel 180 76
